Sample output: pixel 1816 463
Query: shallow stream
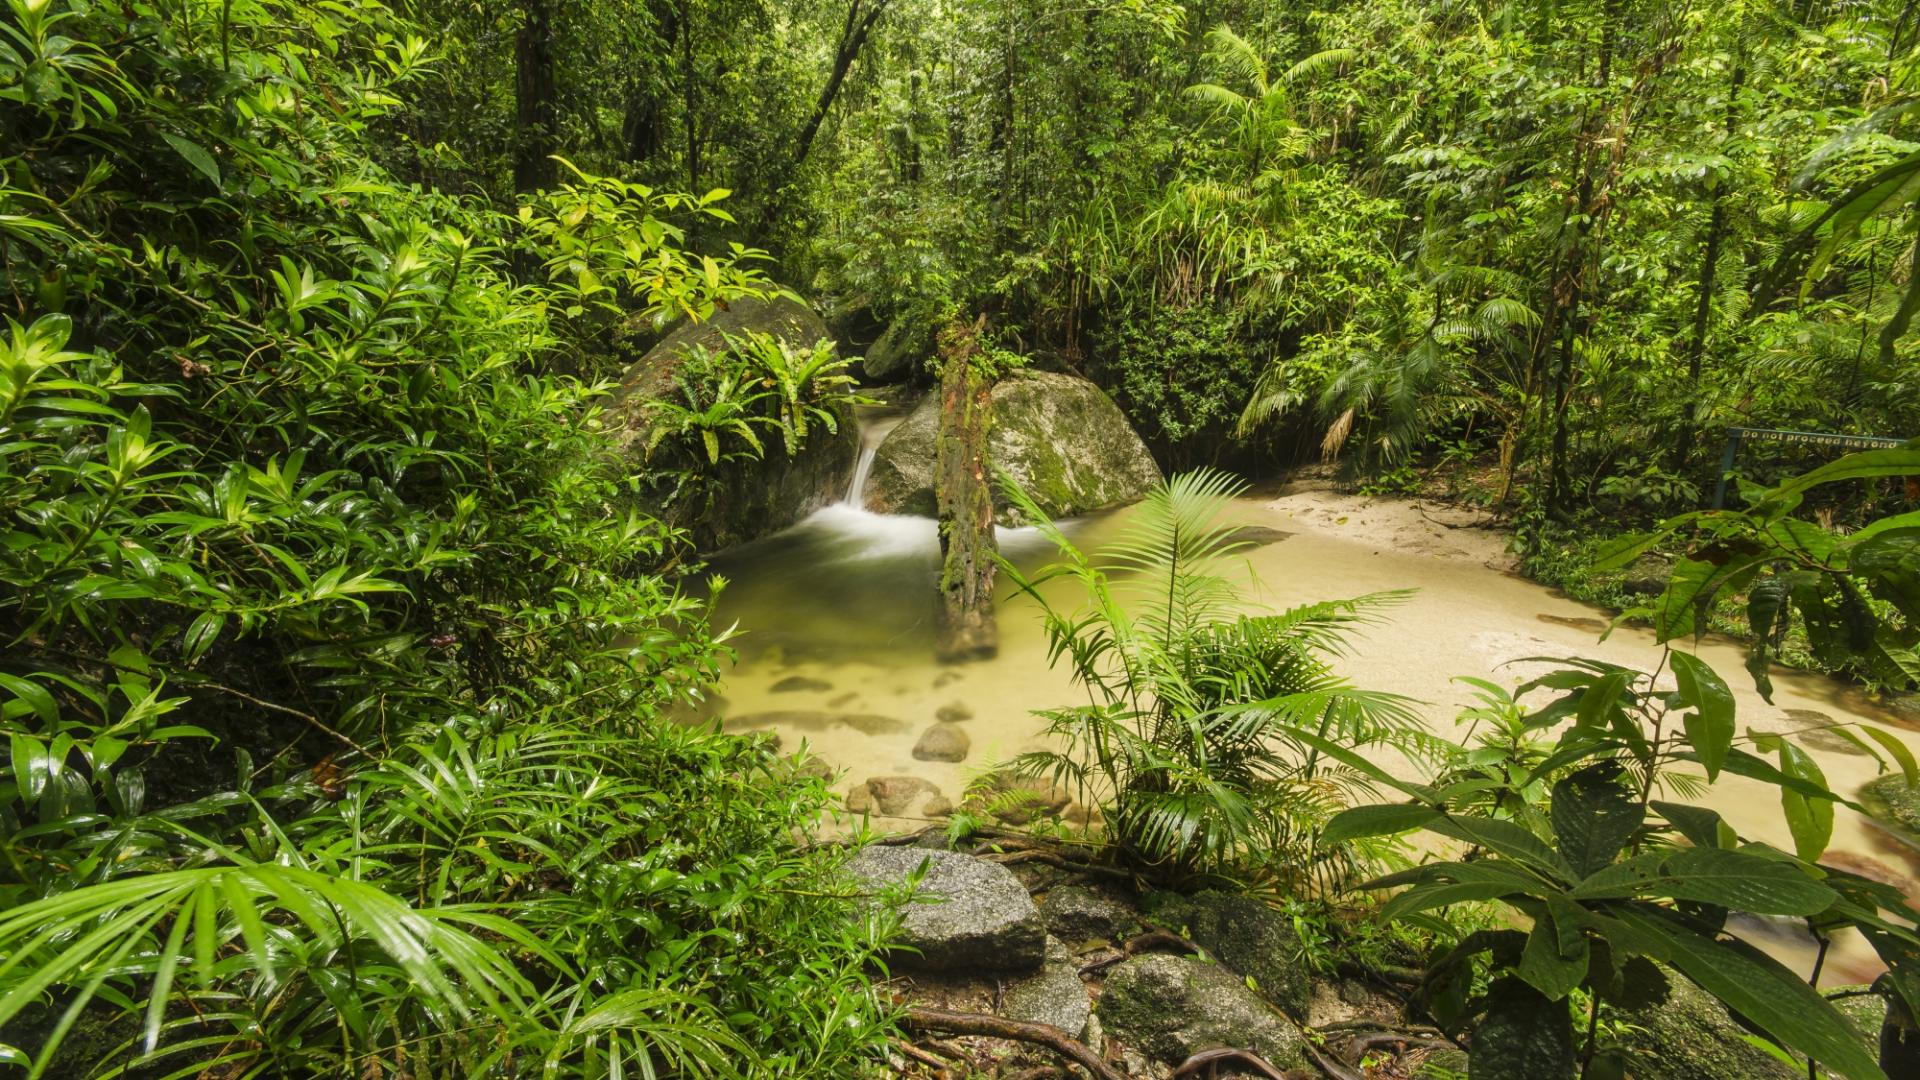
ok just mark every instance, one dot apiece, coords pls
pixel 836 649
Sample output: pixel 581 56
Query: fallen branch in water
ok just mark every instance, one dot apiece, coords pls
pixel 956 1023
pixel 1245 1058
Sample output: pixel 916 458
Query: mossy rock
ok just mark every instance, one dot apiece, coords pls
pixel 1895 804
pixel 1060 437
pixel 1250 937
pixel 1171 1007
pixel 1692 1036
pixel 761 497
pixel 900 353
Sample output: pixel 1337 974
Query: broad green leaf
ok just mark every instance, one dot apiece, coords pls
pixel 1505 838
pixel 1427 897
pixel 1741 882
pixel 1809 818
pixel 1698 824
pixel 1777 1000
pixel 1378 820
pixel 1552 961
pixel 1710 726
pixel 1594 817
pixel 1897 749
pixel 1895 461
pixel 195 155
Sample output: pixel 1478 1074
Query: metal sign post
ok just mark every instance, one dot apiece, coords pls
pixel 1739 435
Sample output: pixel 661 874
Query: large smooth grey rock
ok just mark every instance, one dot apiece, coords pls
pixel 1170 1008
pixel 968 914
pixel 762 497
pixel 1250 937
pixel 1063 439
pixel 1055 996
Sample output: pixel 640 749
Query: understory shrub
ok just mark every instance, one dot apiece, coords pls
pixel 336 657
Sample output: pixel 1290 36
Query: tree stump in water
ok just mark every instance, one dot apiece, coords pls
pixel 964 495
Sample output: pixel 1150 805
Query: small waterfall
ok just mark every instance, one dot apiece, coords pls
pixel 875 424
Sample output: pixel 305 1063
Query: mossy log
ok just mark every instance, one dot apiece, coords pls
pixel 964 495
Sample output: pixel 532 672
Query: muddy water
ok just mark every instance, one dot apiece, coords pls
pixel 836 650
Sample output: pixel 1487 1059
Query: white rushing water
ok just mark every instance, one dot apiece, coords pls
pixel 875 426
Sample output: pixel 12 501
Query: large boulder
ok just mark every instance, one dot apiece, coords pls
pixel 1064 440
pixel 901 351
pixel 1250 937
pixel 1895 804
pixel 1691 1036
pixel 764 497
pixel 1170 1008
pixel 968 914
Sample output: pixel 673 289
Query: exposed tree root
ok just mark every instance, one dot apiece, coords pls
pixel 1243 1058
pixel 1331 1066
pixel 956 1023
pixel 1156 938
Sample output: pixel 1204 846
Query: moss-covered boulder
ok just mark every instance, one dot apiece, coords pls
pixel 900 352
pixel 1895 804
pixel 754 499
pixel 1063 439
pixel 1691 1036
pixel 1170 1008
pixel 1249 937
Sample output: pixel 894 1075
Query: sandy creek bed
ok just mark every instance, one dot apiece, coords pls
pixel 836 649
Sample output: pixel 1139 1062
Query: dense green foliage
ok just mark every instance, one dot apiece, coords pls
pixel 1186 740
pixel 335 648
pixel 344 636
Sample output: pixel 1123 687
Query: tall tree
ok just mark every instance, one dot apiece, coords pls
pixel 536 99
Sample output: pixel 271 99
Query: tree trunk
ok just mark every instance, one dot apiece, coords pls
pixel 690 88
pixel 1573 284
pixel 966 628
pixel 1709 273
pixel 643 123
pixel 535 109
pixel 853 39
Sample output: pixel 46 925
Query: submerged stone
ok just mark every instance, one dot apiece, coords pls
pixel 793 684
pixel 814 720
pixel 1894 803
pixel 896 795
pixel 943 742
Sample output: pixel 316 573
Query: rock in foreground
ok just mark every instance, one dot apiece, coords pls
pixel 1170 1007
pixel 968 914
pixel 1250 937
